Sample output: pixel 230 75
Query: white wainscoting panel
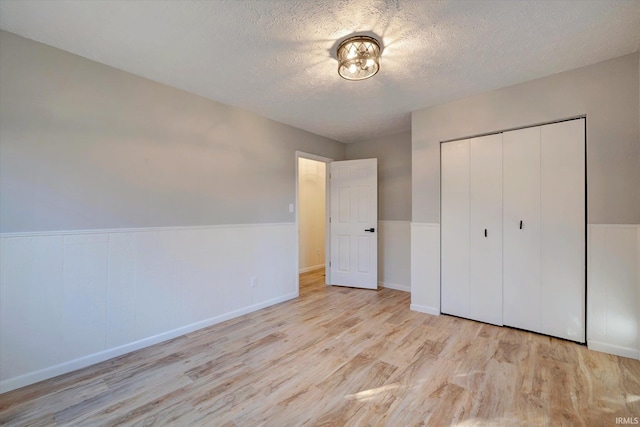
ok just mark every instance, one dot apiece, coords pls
pixel 613 291
pixel 394 255
pixel 425 268
pixel 71 299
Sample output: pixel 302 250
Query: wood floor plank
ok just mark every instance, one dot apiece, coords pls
pixel 338 356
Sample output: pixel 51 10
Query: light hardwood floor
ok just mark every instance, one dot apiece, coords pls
pixel 339 356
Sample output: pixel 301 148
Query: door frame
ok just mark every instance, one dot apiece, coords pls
pixel 327 210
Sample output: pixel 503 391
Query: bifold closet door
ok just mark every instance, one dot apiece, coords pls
pixel 521 228
pixel 562 240
pixel 471 227
pixel 513 229
pixel 544 229
pixel 454 228
pixel 485 229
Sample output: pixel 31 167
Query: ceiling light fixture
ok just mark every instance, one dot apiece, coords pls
pixel 358 58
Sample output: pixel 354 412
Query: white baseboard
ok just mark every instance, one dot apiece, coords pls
pixel 83 362
pixel 631 353
pixel 428 310
pixel 312 268
pixel 395 286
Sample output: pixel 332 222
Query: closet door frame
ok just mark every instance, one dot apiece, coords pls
pixel 586 219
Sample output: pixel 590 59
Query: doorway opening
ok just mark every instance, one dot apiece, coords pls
pixel 311 213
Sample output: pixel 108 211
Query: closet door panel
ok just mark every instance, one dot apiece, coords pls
pixel 521 228
pixel 454 226
pixel 563 230
pixel 485 238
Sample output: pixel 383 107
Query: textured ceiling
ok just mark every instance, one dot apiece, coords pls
pixel 277 58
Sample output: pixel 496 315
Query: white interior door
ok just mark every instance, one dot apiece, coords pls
pixel 454 228
pixel 485 229
pixel 521 228
pixel 562 293
pixel 354 223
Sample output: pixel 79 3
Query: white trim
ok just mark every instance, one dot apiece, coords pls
pixel 82 362
pixel 631 353
pixel 313 157
pixel 138 230
pixel 312 268
pixel 403 288
pixel 428 310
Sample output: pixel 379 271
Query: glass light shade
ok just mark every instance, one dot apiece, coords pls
pixel 358 58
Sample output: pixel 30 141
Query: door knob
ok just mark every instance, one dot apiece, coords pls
pixel 370 230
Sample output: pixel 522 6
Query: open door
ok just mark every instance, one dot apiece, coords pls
pixel 354 223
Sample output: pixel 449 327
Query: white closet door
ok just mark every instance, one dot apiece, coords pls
pixel 454 228
pixel 521 228
pixel 562 293
pixel 485 232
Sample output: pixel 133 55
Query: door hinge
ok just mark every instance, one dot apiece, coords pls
pixel 329 263
pixel 329 219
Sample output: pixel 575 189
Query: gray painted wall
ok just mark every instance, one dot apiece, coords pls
pixel 86 146
pixel 394 173
pixel 607 93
